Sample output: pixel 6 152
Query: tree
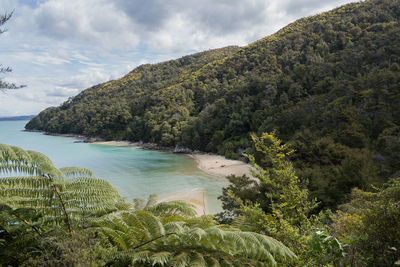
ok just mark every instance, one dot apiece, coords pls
pixel 4 85
pixel 370 225
pixel 167 234
pixel 286 216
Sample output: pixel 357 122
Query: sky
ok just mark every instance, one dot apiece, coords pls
pixel 57 48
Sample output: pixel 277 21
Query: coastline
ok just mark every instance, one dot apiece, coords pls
pixel 211 164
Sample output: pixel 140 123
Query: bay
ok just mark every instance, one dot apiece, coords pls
pixel 135 172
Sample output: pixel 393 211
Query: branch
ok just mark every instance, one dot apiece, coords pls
pixel 28 223
pixel 67 219
pixel 9 86
pixel 4 85
pixel 5 230
pixel 152 240
pixel 4 18
pixel 3 70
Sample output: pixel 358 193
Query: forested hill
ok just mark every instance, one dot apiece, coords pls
pixel 328 84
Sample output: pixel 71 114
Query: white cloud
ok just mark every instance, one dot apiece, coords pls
pixel 96 22
pixel 175 25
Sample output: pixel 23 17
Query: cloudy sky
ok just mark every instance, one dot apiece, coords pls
pixel 60 47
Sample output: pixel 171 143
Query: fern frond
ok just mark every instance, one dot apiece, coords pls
pixel 198 260
pixel 72 172
pixel 161 258
pixel 141 256
pixel 29 179
pixel 151 201
pixel 174 227
pixel 182 259
pixel 178 207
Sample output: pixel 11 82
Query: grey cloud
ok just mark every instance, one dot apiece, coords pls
pixel 220 16
pixel 309 7
pixel 176 24
pixel 228 16
pixel 94 22
pixel 150 14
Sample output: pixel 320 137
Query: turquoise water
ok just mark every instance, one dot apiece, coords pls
pixel 136 173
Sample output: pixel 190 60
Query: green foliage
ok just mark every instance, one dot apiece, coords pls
pixel 142 237
pixel 285 211
pixel 370 225
pixel 78 249
pixel 329 85
pixel 246 189
pixel 285 190
pixel 164 209
pixel 19 229
pixel 327 248
pixel 30 180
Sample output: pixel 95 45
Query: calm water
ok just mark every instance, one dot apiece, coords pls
pixel 135 172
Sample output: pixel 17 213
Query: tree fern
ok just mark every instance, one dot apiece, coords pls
pixel 181 243
pixel 162 209
pixel 19 229
pixel 29 179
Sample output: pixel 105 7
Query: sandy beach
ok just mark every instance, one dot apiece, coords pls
pixel 220 166
pixel 116 143
pixel 194 196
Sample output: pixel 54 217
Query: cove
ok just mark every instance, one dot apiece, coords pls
pixel 135 172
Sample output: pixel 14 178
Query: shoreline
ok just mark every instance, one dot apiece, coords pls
pixel 211 164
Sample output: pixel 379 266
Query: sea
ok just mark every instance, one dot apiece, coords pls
pixel 135 172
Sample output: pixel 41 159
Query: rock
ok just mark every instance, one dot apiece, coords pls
pixel 180 149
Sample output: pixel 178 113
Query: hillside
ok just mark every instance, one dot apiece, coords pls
pixel 328 84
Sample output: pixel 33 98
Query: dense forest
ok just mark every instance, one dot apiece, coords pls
pixel 327 84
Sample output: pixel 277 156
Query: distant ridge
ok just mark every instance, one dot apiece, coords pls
pixel 17 118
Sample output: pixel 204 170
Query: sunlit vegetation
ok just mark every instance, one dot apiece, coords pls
pixel 363 232
pixel 328 84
